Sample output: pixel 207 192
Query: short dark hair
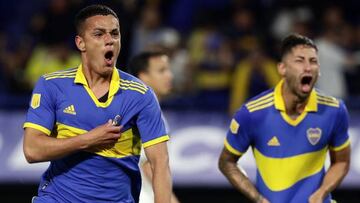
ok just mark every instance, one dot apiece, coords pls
pixel 294 40
pixel 90 11
pixel 140 62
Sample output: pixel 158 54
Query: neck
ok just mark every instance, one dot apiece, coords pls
pixel 93 78
pixel 294 104
pixel 98 83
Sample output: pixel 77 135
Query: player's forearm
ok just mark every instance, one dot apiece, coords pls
pixel 162 182
pixel 333 177
pixel 146 167
pixel 41 148
pixel 239 180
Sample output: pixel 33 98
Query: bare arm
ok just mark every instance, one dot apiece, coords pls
pixel 39 147
pixel 228 166
pixel 340 163
pixel 161 178
pixel 146 167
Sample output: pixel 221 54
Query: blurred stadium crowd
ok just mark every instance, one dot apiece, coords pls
pixel 223 52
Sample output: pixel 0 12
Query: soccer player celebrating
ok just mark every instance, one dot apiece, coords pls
pixel 153 68
pixel 90 122
pixel 290 128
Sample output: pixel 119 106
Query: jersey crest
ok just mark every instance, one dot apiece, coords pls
pixel 313 135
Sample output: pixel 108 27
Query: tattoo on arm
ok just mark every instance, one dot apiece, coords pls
pixel 228 166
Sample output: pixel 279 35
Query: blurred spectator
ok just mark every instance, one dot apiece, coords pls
pixel 149 30
pixel 354 75
pixel 214 37
pixel 56 22
pixel 11 66
pixel 212 61
pixel 242 32
pixel 289 20
pixel 52 51
pixel 179 60
pixel 46 59
pixel 334 59
pixel 253 75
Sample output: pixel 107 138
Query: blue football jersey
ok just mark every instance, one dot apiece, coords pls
pixel 64 106
pixel 290 154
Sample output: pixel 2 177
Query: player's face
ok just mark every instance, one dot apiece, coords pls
pixel 158 75
pixel 101 42
pixel 300 69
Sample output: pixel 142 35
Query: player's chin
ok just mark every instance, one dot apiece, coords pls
pixel 106 70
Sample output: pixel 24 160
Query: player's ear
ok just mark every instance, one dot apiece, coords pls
pixel 80 44
pixel 281 68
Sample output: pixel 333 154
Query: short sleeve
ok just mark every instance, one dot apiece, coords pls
pixel 150 122
pixel 340 136
pixel 238 136
pixel 41 112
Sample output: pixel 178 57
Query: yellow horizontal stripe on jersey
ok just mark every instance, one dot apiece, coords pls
pixel 333 100
pixel 261 106
pixel 327 97
pixel 139 85
pixel 73 70
pixel 231 149
pixel 61 72
pixel 133 85
pixel 328 103
pixel 127 145
pixel 61 76
pixel 341 147
pixel 260 102
pixel 132 88
pixel 261 98
pixel 37 127
pixel 156 141
pixel 66 131
pixel 281 173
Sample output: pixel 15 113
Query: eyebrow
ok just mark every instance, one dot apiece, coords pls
pixel 104 30
pixel 302 57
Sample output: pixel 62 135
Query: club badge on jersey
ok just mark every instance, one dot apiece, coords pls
pixel 313 135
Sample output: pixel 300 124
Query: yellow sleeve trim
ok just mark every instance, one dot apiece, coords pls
pixel 156 141
pixel 341 147
pixel 231 149
pixel 37 127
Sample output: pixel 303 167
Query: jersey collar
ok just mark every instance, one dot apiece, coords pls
pixel 280 104
pixel 114 83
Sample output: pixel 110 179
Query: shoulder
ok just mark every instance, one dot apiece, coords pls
pixel 327 101
pixel 334 106
pixel 131 83
pixel 59 79
pixel 50 80
pixel 261 101
pixel 63 74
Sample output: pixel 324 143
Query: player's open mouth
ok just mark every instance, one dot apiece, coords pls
pixel 108 57
pixel 306 83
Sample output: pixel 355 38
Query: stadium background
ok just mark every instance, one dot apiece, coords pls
pixel 210 42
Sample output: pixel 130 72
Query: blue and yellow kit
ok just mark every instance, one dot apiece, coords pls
pixel 63 106
pixel 289 154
